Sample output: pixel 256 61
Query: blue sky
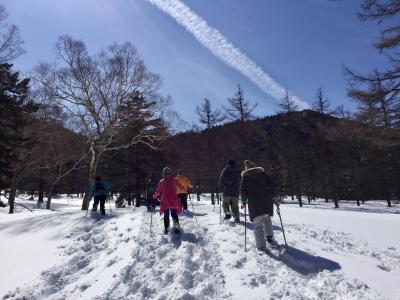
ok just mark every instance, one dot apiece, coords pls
pixel 300 44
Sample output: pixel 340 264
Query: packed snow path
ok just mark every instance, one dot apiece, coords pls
pixel 117 258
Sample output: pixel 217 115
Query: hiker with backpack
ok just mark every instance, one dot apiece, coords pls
pixel 257 190
pixel 99 192
pixel 229 184
pixel 183 192
pixel 170 203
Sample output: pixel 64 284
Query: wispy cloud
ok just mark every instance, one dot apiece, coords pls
pixel 219 45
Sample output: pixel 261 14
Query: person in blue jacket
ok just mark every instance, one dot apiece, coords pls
pixel 99 192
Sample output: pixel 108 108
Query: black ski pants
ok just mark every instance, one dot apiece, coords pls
pixel 102 200
pixel 174 216
pixel 183 198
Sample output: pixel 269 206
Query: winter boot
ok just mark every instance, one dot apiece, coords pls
pixel 227 216
pixel 261 250
pixel 177 227
pixel 166 225
pixel 272 242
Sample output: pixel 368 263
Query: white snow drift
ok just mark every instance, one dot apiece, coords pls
pixel 342 254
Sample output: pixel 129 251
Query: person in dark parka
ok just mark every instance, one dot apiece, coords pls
pixel 151 186
pixel 257 190
pixel 229 183
pixel 99 191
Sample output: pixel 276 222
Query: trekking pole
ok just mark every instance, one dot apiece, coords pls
pixel 245 228
pixel 109 203
pixel 214 202
pixel 151 217
pixel 190 198
pixel 278 211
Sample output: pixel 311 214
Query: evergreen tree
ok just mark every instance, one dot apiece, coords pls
pixel 210 118
pixel 13 93
pixel 377 92
pixel 241 110
pixel 287 104
pixel 15 143
pixel 321 104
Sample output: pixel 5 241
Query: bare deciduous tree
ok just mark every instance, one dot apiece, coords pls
pixel 93 88
pixel 10 40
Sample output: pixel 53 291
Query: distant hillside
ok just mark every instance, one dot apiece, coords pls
pixel 308 154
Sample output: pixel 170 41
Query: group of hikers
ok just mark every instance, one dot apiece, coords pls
pixel 253 185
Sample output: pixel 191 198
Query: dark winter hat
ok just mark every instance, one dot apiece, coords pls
pixel 97 178
pixel 231 162
pixel 249 164
pixel 166 171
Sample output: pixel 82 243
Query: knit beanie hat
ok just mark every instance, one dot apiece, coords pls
pixel 249 164
pixel 166 171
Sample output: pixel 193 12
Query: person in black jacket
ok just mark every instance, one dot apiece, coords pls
pixel 229 183
pixel 151 186
pixel 257 190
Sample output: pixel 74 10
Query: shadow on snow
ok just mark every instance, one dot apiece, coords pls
pixel 305 263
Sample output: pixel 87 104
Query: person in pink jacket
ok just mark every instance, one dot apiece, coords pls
pixel 170 202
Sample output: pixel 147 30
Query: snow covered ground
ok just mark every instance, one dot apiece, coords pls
pixel 350 253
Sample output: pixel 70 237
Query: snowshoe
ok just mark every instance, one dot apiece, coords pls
pixel 261 251
pixel 177 228
pixel 272 243
pixel 229 222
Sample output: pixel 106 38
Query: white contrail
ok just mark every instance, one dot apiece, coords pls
pixel 219 45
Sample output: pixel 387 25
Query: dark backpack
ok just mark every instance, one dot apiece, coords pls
pixel 99 186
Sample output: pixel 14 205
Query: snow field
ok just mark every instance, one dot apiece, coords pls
pixel 64 255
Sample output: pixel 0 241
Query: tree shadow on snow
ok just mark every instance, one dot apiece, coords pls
pixel 305 263
pixel 190 214
pixel 60 221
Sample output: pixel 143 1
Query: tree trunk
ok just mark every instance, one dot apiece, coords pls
pixel 92 173
pixel 336 202
pixel 13 193
pixel 388 200
pixel 300 201
pixel 41 184
pixel 49 195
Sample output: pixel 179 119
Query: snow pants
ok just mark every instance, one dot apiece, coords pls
pixel 150 202
pixel 174 216
pixel 102 200
pixel 231 204
pixel 183 198
pixel 262 229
